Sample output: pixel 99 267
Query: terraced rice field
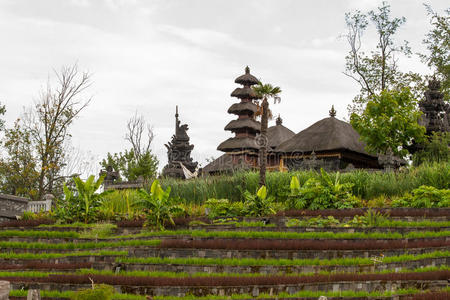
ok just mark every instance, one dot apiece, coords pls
pixel 232 262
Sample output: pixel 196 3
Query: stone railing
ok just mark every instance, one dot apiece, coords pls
pixel 38 206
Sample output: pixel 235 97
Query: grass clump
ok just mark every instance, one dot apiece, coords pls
pixel 97 292
pixel 39 234
pixel 356 261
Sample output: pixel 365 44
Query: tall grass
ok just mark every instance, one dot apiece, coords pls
pixel 366 184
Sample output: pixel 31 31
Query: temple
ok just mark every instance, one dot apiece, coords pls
pixel 241 151
pixel 330 143
pixel 179 152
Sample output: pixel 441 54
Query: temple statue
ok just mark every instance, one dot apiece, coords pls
pixel 179 152
pixel 435 110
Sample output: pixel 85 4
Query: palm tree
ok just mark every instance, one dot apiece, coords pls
pixel 265 91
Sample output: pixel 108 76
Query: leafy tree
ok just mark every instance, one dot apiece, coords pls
pixel 130 167
pixel 437 41
pixel 265 91
pixel 378 70
pixel 139 160
pixel 18 167
pixel 390 121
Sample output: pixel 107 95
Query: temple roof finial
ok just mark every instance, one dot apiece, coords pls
pixel 247 70
pixel 279 120
pixel 332 112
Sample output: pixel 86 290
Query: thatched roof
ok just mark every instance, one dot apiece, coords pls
pixel 324 135
pixel 243 123
pixel 247 78
pixel 237 108
pixel 244 93
pixel 236 143
pixel 224 163
pixel 278 134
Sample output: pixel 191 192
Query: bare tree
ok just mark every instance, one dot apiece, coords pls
pixel 79 162
pixel 137 127
pixel 50 119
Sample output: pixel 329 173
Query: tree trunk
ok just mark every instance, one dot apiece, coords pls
pixel 263 143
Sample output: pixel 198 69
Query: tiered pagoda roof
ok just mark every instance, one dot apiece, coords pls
pixel 245 127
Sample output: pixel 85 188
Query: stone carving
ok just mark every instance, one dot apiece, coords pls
pixel 110 176
pixel 435 111
pixel 179 152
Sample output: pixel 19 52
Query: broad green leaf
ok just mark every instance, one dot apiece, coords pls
pixel 295 184
pixel 262 192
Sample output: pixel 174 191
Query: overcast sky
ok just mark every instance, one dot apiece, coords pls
pixel 149 56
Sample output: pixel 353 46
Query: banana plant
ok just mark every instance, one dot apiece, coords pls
pixel 160 206
pixel 258 205
pixel 90 200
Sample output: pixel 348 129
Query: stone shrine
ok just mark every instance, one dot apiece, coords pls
pixel 179 152
pixel 435 110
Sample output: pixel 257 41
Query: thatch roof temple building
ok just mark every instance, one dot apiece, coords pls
pixel 329 143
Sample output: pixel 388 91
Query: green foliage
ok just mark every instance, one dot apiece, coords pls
pixel 258 205
pixel 436 149
pixel 130 166
pixel 78 245
pixel 102 230
pixel 437 41
pixel 19 166
pixel 87 193
pixel 370 219
pixel 119 205
pixel 97 292
pixel 425 197
pixel 321 193
pixel 82 204
pixel 389 122
pixel 366 185
pixel 378 70
pixel 161 207
pixel 350 261
pixel 223 208
pixel 329 221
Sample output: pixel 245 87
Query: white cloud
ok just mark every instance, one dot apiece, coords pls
pixel 152 55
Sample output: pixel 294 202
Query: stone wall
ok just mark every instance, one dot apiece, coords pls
pixel 12 206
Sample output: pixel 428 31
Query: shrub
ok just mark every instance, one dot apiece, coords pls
pixel 119 205
pixel 223 208
pixel 322 193
pixel 424 197
pixel 160 206
pixel 98 292
pixel 258 205
pixel 82 204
